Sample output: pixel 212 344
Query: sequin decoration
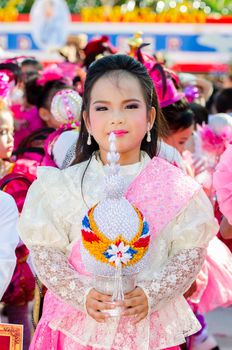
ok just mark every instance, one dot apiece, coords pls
pixel 118 250
pixel 66 107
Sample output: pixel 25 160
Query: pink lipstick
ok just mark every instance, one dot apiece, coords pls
pixel 120 133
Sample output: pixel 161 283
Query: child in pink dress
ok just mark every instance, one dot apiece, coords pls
pixel 59 146
pixel 15 179
pixel 222 182
pixel 119 98
pixel 216 275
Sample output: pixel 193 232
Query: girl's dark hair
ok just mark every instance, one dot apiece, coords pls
pixel 32 62
pixel 41 95
pixel 105 67
pixel 200 113
pixel 178 116
pixel 14 68
pixel 223 101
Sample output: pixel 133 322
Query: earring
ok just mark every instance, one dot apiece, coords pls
pixel 89 141
pixel 148 135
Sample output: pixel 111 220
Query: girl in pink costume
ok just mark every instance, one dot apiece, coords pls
pixel 26 120
pixel 214 140
pixel 60 145
pixel 119 97
pixel 216 275
pixel 222 181
pixel 39 91
pixel 21 289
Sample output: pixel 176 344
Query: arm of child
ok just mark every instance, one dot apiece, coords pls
pixel 175 278
pixel 44 229
pixel 61 279
pixel 58 276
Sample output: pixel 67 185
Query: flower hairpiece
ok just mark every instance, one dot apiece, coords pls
pixel 212 142
pixel 50 73
pixel 191 93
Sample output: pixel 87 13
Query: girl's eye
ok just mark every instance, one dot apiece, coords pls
pixel 101 108
pixel 132 106
pixel 4 132
pixel 181 142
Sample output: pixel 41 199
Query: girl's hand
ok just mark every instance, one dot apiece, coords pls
pixel 96 302
pixel 136 304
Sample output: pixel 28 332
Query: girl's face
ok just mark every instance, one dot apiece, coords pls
pixel 117 105
pixel 179 138
pixel 6 135
pixel 48 118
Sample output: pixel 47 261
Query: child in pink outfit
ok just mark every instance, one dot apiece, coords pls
pixel 119 98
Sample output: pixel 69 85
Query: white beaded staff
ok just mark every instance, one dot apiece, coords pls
pixel 115 235
pixel 113 157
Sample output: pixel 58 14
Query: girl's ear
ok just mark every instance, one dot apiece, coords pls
pixel 152 116
pixel 44 114
pixel 86 121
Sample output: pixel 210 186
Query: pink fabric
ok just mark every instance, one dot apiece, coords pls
pixel 160 192
pixel 27 167
pixel 214 282
pixel 48 146
pixel 47 338
pixel 223 183
pixel 18 187
pixel 218 292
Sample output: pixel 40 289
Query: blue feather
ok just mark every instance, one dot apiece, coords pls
pixel 145 228
pixel 85 222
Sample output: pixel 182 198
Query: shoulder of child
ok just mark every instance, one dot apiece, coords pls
pixel 50 177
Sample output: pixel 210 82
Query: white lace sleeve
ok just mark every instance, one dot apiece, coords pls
pixel 175 277
pixel 59 277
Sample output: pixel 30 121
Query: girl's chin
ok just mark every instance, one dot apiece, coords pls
pixel 8 155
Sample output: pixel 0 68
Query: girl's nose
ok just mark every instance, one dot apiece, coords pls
pixel 117 118
pixel 10 137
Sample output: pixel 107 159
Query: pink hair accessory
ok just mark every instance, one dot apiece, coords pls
pixel 213 143
pixel 6 77
pixel 171 94
pixel 191 93
pixel 164 85
pixel 50 73
pixel 66 108
pixel 163 79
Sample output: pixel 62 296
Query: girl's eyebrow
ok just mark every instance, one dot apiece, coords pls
pixel 124 101
pixel 100 101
